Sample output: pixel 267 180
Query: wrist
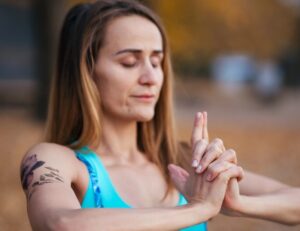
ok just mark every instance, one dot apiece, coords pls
pixel 243 206
pixel 236 207
pixel 206 209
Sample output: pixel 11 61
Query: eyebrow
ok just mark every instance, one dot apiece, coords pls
pixel 136 51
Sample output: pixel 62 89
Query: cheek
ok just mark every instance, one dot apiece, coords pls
pixel 110 92
pixel 114 88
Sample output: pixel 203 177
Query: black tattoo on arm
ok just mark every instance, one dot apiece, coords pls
pixel 29 165
pixel 27 175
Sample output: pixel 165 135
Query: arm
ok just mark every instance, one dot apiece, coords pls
pixel 265 198
pixel 47 173
pixel 254 184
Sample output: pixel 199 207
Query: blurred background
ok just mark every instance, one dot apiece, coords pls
pixel 237 59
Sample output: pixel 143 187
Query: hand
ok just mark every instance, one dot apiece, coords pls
pixel 211 157
pixel 197 187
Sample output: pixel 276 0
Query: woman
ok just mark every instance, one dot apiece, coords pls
pixel 111 143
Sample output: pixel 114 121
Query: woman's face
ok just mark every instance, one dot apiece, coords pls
pixel 128 70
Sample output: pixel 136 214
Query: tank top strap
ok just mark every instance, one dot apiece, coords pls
pixel 93 197
pixel 104 192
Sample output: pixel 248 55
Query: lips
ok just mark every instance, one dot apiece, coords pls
pixel 145 97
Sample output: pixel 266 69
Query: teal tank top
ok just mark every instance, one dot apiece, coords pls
pixel 102 194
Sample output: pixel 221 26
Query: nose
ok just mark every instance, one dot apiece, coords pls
pixel 148 76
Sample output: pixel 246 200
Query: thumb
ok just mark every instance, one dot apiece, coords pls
pixel 232 188
pixel 179 176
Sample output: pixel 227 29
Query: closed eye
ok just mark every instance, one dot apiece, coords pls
pixel 156 62
pixel 129 61
pixel 129 65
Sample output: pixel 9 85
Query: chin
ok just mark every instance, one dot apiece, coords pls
pixel 145 116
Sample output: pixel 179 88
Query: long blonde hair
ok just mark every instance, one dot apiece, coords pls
pixel 74 112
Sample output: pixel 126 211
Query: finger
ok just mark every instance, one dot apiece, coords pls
pixel 233 172
pixel 198 152
pixel 217 142
pixel 180 171
pixel 214 151
pixel 229 155
pixel 197 129
pixel 215 168
pixel 205 129
pixel 178 175
pixel 232 188
pixel 210 155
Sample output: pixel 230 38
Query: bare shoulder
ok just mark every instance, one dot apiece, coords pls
pixel 50 150
pixel 52 153
pixel 53 162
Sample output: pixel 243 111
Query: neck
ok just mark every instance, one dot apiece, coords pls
pixel 119 139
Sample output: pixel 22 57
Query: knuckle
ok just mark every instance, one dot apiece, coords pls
pixel 203 141
pixel 210 168
pixel 214 171
pixel 225 165
pixel 232 151
pixel 217 151
pixel 232 154
pixel 218 141
pixel 214 149
pixel 217 145
pixel 224 177
pixel 199 143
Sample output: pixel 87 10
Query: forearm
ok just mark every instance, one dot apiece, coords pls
pixel 132 219
pixel 282 206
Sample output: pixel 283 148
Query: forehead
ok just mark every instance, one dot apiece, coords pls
pixel 132 32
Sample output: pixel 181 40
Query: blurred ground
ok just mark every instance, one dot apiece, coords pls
pixel 266 138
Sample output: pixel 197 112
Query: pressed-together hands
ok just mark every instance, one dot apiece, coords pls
pixel 214 179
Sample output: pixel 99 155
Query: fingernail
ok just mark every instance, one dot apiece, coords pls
pixel 199 114
pixel 198 169
pixel 195 163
